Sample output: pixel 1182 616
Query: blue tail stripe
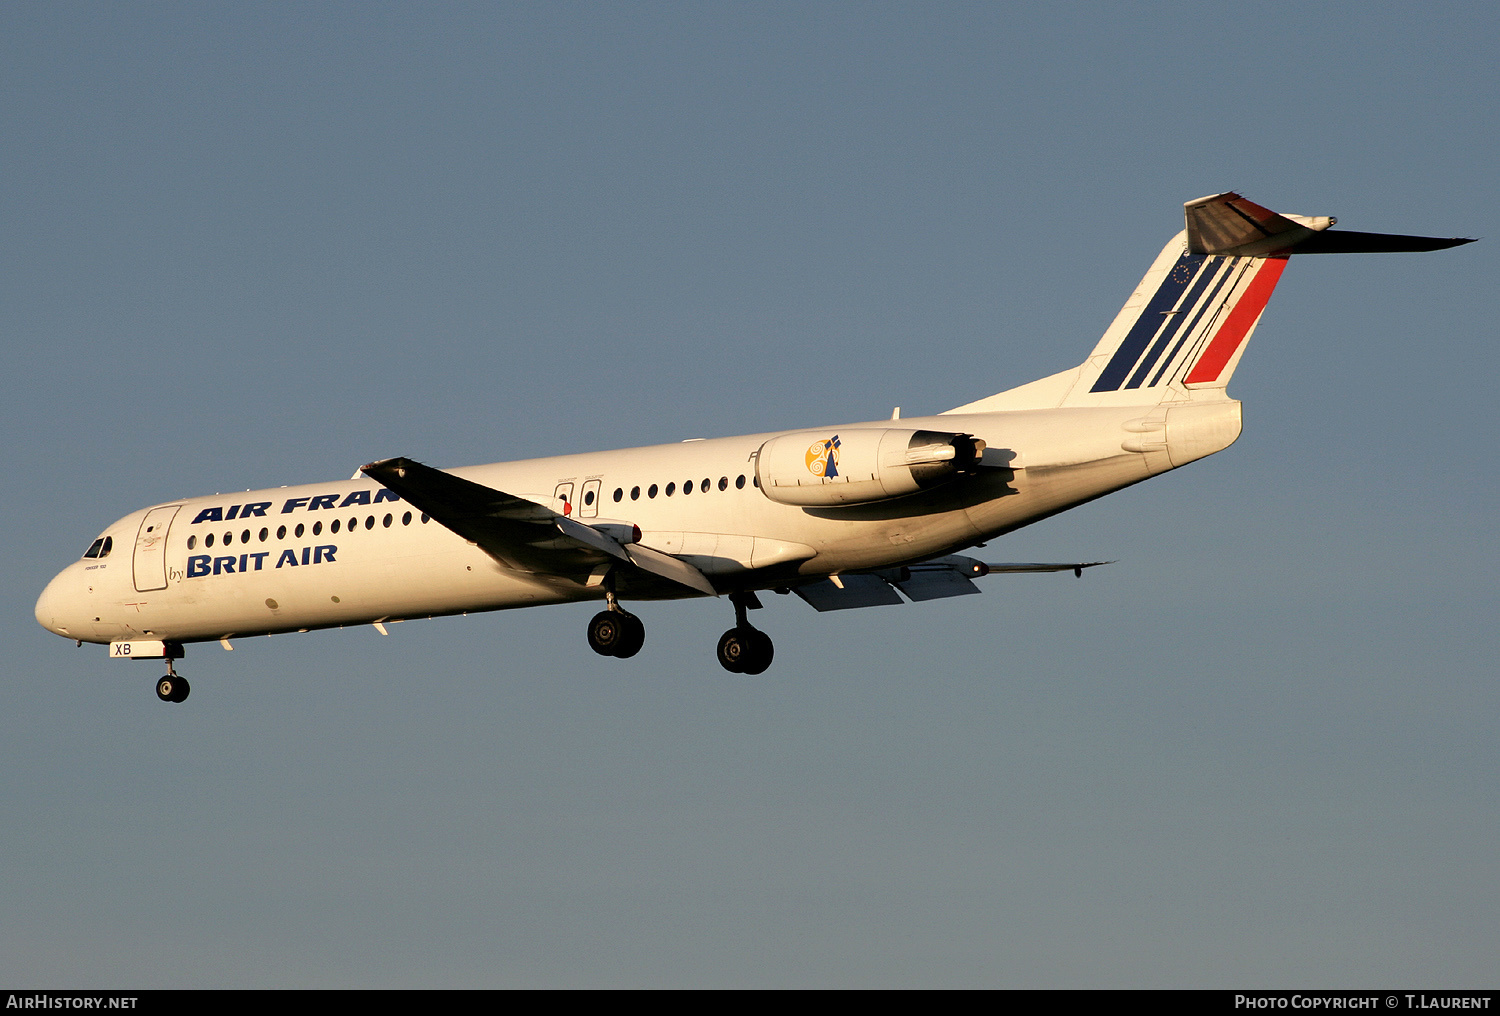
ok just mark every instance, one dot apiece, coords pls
pixel 1205 278
pixel 1228 277
pixel 1148 323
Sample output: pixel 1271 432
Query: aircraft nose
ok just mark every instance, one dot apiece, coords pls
pixel 51 606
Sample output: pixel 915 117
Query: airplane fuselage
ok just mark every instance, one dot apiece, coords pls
pixel 352 552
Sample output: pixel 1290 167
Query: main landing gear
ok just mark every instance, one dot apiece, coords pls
pixel 744 649
pixel 172 688
pixel 614 632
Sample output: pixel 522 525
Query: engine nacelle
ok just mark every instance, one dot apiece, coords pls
pixel 814 467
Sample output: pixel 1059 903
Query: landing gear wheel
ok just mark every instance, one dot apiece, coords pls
pixel 745 651
pixel 616 633
pixel 172 688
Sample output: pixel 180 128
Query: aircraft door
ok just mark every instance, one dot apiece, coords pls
pixel 590 507
pixel 151 549
pixel 564 493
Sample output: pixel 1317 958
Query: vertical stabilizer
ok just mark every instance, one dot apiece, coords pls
pixel 1182 332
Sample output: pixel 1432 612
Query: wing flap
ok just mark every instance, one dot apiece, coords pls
pixel 936 579
pixel 669 567
pixel 847 593
pixel 935 584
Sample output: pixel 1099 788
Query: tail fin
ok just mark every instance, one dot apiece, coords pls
pixel 1181 334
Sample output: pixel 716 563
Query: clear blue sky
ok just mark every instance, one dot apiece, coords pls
pixel 247 246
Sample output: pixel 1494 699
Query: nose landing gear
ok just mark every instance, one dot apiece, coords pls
pixel 172 688
pixel 744 649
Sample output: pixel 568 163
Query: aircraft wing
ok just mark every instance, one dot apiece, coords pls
pixel 519 532
pixel 928 580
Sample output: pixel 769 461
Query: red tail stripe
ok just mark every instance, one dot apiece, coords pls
pixel 1244 315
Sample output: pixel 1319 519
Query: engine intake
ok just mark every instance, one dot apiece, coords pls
pixel 812 468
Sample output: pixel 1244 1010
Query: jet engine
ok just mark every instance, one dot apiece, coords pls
pixel 822 468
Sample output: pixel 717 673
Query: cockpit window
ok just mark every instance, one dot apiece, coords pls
pixel 100 547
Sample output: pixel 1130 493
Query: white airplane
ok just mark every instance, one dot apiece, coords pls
pixel 842 516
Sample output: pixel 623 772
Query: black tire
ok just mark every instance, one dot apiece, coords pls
pixel 632 636
pixel 182 690
pixel 761 652
pixel 732 647
pixel 606 632
pixel 166 688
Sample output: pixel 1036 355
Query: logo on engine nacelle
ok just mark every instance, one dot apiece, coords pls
pixel 823 457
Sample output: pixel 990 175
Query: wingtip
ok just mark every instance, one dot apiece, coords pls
pixel 397 464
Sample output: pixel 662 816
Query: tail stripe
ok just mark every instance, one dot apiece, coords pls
pixel 1184 313
pixel 1148 323
pixel 1247 311
pixel 1234 270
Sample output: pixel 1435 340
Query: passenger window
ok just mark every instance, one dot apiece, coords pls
pixel 208 541
pixel 228 539
pixel 387 522
pixel 635 493
pixel 687 488
pixel 353 525
pixel 280 533
pixel 406 518
pixel 263 534
pixel 425 517
pixel 671 488
pixel 739 482
pixel 317 528
pixel 651 492
pixel 619 493
pixel 298 531
pixel 588 497
pixel 707 483
pixel 333 526
pixel 370 522
pixel 192 542
pixel 245 536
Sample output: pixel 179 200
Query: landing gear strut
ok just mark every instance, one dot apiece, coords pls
pixel 172 688
pixel 614 632
pixel 744 649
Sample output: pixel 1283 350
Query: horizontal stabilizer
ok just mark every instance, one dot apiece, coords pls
pixel 1229 224
pixel 1348 241
pixel 1016 569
